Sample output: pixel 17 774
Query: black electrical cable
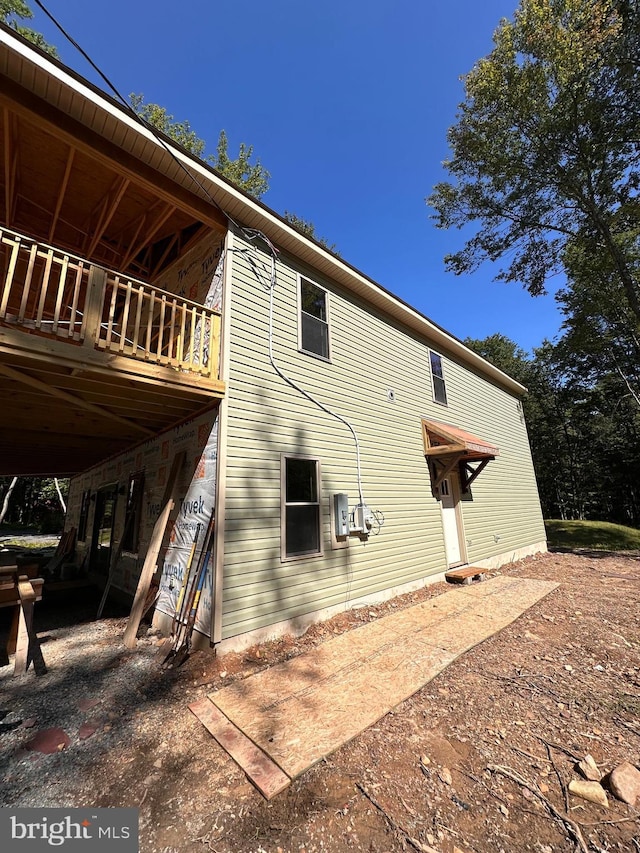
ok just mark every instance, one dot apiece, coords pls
pixel 150 127
pixel 250 234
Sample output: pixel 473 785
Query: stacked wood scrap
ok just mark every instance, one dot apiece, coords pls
pixel 64 551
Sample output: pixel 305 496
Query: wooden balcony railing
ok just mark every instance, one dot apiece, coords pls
pixel 48 292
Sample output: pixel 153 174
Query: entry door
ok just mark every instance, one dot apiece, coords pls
pixel 103 529
pixel 450 523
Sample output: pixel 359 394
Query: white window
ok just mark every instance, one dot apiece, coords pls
pixel 300 507
pixel 437 378
pixel 314 319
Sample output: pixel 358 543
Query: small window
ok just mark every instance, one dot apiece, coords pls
pixel 133 514
pixel 84 515
pixel 437 376
pixel 300 507
pixel 314 319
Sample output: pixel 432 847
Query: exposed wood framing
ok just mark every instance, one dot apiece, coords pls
pixel 61 193
pixel 439 470
pixel 12 344
pixel 73 133
pixel 107 208
pixel 469 474
pixel 70 398
pixel 149 567
pixel 10 166
pixel 447 447
pixel 183 248
pixel 170 245
pixel 137 247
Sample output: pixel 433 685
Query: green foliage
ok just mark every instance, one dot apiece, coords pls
pixel 545 151
pixel 504 354
pixel 596 535
pixel 34 504
pixel 13 11
pixel 179 131
pixel 584 429
pixel 309 230
pixel 546 164
pixel 253 178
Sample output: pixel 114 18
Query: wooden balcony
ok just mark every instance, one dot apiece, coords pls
pixel 55 295
pixel 115 356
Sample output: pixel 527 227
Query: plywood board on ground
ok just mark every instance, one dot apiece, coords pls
pixel 302 710
pixel 265 775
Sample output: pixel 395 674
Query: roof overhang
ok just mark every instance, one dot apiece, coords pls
pixel 48 79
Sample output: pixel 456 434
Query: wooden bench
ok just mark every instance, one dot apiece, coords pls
pixel 466 574
pixel 21 592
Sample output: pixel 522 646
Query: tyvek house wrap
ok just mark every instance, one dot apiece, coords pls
pixel 198 504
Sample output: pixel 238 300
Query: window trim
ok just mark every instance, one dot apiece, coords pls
pixel 284 557
pixel 327 306
pixel 444 402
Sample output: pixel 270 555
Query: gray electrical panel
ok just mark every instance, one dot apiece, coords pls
pixel 341 513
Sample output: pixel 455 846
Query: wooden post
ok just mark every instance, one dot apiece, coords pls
pixel 28 647
pixel 93 305
pixel 153 550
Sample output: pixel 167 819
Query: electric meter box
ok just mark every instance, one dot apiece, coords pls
pixel 341 513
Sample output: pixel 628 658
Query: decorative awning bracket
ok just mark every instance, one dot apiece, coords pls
pixel 469 474
pixel 439 470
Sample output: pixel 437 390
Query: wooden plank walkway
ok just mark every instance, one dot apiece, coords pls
pixel 300 711
pixel 265 775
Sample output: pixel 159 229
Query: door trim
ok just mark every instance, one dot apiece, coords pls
pixel 454 484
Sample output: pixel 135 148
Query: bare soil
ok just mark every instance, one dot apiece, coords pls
pixel 478 760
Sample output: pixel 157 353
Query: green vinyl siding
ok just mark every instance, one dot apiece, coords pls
pixel 370 355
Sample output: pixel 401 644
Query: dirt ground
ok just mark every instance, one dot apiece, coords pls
pixel 478 760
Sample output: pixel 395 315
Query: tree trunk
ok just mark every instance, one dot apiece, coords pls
pixel 5 505
pixel 62 503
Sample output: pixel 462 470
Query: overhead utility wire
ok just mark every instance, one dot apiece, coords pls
pixel 250 233
pixel 138 118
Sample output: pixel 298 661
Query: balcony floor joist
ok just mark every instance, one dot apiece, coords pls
pixel 62 415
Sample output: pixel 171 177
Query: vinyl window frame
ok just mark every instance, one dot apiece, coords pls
pixel 435 378
pixel 327 322
pixel 284 556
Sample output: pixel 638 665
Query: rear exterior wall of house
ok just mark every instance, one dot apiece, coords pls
pixel 378 376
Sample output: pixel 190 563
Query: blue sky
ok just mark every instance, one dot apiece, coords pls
pixel 347 104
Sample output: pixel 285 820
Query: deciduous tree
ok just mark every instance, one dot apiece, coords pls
pixel 309 229
pixel 546 149
pixel 12 12
pixel 253 178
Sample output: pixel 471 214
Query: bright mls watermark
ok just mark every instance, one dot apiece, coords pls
pixel 71 830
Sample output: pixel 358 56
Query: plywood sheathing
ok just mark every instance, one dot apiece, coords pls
pixel 302 710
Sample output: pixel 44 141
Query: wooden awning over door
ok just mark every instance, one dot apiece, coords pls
pixel 448 447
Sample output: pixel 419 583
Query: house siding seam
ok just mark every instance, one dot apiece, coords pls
pixel 370 354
